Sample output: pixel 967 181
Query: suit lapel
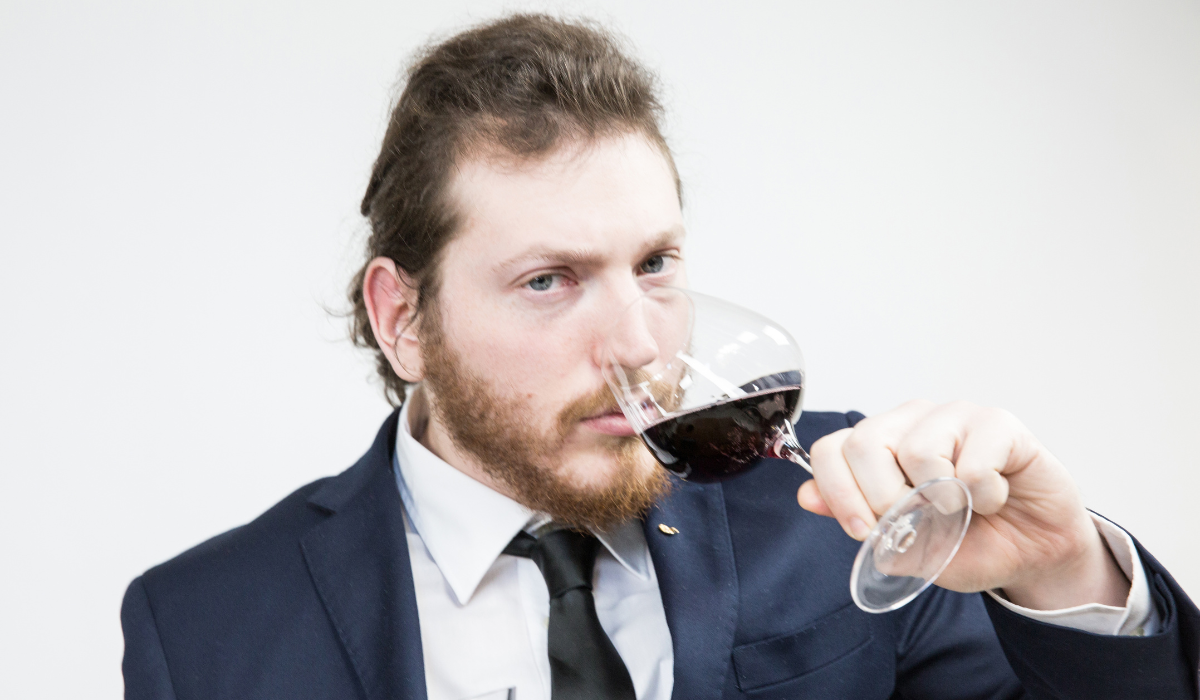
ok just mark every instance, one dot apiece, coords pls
pixel 358 559
pixel 698 582
pixel 359 562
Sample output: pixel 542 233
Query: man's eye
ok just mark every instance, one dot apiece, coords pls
pixel 541 283
pixel 654 264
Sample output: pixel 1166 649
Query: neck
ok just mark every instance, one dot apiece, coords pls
pixel 426 429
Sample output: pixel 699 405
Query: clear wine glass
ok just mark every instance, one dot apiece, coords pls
pixel 712 388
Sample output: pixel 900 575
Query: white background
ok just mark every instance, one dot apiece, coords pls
pixel 982 200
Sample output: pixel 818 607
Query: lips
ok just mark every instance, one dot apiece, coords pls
pixel 611 423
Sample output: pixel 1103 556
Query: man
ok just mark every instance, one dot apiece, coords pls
pixel 507 535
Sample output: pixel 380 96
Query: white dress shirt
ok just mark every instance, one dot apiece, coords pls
pixel 484 614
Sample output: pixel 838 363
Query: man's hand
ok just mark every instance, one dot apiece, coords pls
pixel 1030 534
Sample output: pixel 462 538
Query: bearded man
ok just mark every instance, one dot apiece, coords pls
pixel 507 536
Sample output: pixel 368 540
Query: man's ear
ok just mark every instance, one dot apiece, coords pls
pixel 391 299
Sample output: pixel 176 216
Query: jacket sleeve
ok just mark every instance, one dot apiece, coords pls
pixel 144 665
pixel 946 648
pixel 1059 662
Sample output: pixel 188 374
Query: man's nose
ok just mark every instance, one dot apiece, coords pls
pixel 631 342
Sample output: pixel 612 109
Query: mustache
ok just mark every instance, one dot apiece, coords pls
pixel 594 403
pixel 602 401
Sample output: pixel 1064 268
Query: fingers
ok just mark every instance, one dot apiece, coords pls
pixel 860 472
pixel 928 449
pixel 837 486
pixel 870 451
pixel 971 443
pixel 991 447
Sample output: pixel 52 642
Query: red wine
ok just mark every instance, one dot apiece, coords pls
pixel 726 438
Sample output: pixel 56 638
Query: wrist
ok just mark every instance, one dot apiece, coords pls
pixel 1090 576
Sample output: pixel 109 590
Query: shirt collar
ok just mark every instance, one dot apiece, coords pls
pixel 465 525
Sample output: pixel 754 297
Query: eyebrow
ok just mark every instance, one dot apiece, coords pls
pixel 582 256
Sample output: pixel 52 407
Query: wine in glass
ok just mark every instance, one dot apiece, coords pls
pixel 712 388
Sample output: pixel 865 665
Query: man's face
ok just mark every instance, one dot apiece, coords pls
pixel 548 255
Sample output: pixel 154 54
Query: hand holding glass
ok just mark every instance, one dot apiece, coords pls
pixel 712 388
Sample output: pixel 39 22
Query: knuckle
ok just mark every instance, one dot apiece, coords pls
pixel 868 423
pixel 864 438
pixel 1013 421
pixel 912 451
pixel 995 418
pixel 825 447
pixel 962 407
pixel 920 443
pixel 993 414
pixel 920 404
pixel 857 446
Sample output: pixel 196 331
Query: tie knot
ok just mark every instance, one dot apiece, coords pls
pixel 565 558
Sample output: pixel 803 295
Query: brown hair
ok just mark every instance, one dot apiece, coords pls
pixel 524 84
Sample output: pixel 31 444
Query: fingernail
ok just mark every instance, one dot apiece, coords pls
pixel 859 529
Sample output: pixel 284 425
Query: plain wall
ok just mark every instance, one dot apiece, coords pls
pixel 991 201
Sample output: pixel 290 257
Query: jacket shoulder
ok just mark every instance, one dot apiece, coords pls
pixel 271 538
pixel 260 555
pixel 241 615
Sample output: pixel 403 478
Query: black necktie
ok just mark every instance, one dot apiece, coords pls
pixel 584 664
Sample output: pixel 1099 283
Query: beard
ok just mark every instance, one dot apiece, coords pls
pixel 500 432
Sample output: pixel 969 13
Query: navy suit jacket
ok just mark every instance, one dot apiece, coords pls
pixel 314 599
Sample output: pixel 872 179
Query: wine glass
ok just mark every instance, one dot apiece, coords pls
pixel 712 388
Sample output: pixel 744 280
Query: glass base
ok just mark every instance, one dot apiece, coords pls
pixel 911 545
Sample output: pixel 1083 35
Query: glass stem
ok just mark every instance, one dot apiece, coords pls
pixel 788 447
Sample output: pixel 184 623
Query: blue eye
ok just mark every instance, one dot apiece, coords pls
pixel 541 283
pixel 654 264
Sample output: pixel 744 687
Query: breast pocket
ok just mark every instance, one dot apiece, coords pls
pixel 832 658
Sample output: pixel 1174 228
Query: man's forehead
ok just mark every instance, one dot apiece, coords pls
pixel 599 166
pixel 581 200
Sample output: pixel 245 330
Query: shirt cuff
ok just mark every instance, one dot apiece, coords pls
pixel 1138 618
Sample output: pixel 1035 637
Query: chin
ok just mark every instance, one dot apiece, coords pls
pixel 598 469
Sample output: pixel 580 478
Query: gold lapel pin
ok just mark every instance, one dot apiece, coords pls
pixel 667 529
